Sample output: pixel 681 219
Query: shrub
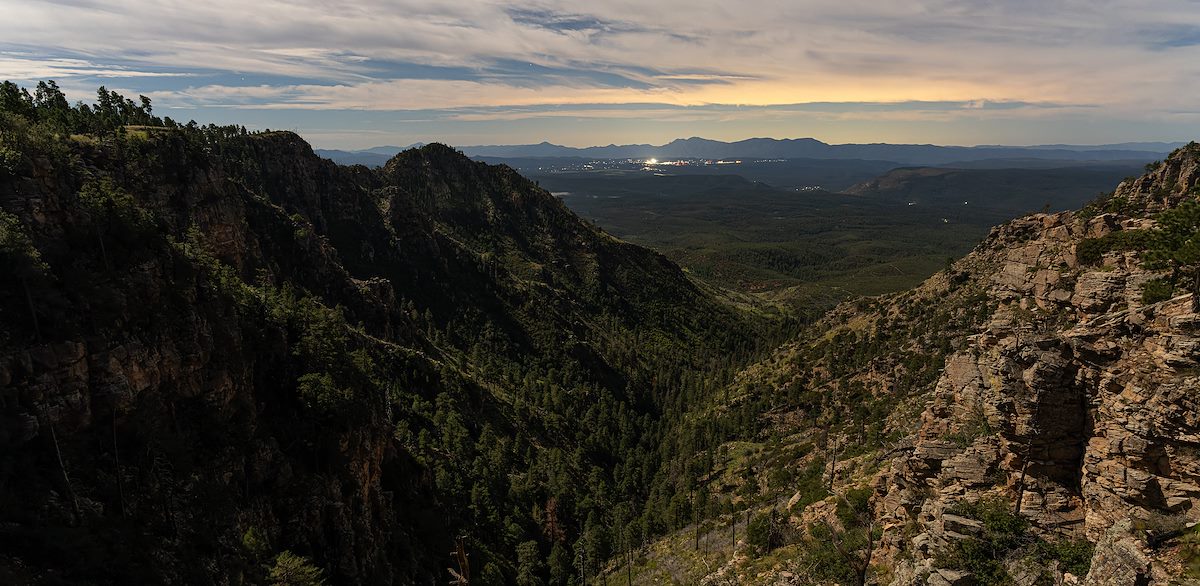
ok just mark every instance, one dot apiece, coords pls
pixel 973 427
pixel 114 213
pixel 854 506
pixel 765 532
pixel 491 576
pixel 10 160
pixel 1073 555
pixel 294 570
pixel 1006 535
pixel 319 393
pixel 822 555
pixel 1091 251
pixel 1157 290
pixel 1176 246
pixel 17 252
pixel 1003 533
pixel 1189 555
pixel 255 543
pixel 810 485
pixel 842 554
pixel 530 566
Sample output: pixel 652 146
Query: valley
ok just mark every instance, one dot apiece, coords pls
pixel 600 293
pixel 265 363
pixel 1031 451
pixel 226 359
pixel 812 248
pixel 809 233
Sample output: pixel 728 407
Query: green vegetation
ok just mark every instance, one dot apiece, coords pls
pixel 1003 533
pixel 434 347
pixel 256 543
pixel 293 570
pixel 910 345
pixel 10 159
pixel 1157 290
pixel 1073 555
pixel 1175 247
pixel 1172 246
pixel 810 485
pixel 372 366
pixel 1110 203
pixel 1189 554
pixel 20 259
pixel 842 553
pixel 1006 536
pixel 848 390
pixel 766 531
pixel 974 426
pixel 1091 251
pixel 812 248
pixel 50 108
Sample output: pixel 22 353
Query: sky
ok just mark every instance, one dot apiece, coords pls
pixel 360 73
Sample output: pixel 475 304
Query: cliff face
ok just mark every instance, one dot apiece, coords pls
pixel 219 348
pixel 1026 416
pixel 1075 405
pixel 149 417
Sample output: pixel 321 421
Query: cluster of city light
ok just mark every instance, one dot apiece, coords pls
pixel 684 162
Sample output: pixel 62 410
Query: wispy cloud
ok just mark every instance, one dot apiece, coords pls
pixel 26 67
pixel 1121 58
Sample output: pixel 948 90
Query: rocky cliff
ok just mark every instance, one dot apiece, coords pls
pixel 1074 407
pixel 1026 416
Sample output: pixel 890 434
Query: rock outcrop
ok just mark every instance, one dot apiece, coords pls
pixel 1076 403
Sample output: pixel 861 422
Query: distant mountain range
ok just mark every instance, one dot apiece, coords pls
pixel 796 148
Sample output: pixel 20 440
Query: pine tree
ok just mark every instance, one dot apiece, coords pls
pixel 1176 246
pixel 21 259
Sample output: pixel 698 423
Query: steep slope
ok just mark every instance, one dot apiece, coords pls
pixel 817 421
pixel 1025 416
pixel 1073 405
pixel 224 359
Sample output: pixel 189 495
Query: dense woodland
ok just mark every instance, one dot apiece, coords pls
pixel 507 374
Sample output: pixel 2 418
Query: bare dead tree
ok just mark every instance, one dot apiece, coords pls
pixel 117 460
pixel 1037 409
pixel 461 576
pixel 857 558
pixel 62 468
pixel 833 454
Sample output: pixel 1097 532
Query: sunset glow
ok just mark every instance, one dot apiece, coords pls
pixel 580 73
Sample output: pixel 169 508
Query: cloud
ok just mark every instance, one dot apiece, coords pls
pixel 1118 56
pixel 19 67
pixel 839 111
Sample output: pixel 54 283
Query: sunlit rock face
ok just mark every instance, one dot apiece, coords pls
pixel 1076 405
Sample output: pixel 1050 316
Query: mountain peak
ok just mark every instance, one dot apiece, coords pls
pixel 1165 184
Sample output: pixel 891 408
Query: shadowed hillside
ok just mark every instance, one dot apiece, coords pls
pixel 224 358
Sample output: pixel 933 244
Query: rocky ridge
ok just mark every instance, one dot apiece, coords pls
pixel 1076 403
pixel 1022 417
pixel 220 349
